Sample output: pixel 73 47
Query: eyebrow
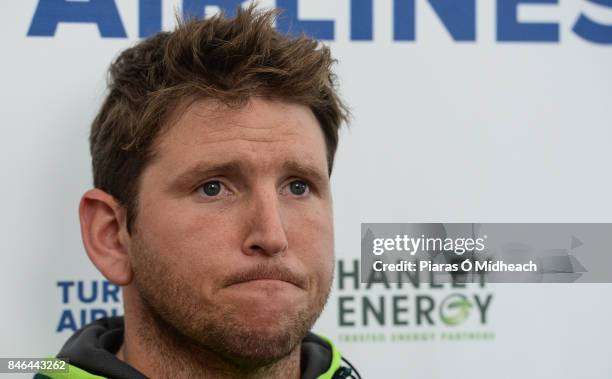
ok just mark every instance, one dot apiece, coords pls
pixel 307 171
pixel 204 169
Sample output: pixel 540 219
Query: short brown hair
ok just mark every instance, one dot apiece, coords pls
pixel 229 60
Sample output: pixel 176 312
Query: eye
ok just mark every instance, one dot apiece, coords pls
pixel 211 188
pixel 298 187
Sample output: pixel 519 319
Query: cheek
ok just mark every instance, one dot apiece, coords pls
pixel 193 243
pixel 311 238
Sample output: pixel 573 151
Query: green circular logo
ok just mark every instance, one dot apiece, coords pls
pixel 455 309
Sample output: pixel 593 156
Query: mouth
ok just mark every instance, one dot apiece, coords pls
pixel 267 277
pixel 265 283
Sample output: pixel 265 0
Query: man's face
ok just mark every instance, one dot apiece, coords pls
pixel 233 242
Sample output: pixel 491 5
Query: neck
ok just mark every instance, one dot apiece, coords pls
pixel 161 352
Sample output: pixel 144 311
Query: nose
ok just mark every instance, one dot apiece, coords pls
pixel 266 234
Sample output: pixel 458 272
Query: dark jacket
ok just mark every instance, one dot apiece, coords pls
pixel 91 354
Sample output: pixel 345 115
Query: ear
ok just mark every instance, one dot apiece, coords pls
pixel 105 236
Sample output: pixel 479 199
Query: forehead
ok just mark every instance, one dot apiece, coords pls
pixel 259 133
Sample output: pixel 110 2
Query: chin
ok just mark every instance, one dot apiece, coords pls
pixel 259 345
pixel 259 337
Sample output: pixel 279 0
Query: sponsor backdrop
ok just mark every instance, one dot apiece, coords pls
pixel 463 111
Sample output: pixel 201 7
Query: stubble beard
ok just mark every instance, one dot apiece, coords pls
pixel 176 324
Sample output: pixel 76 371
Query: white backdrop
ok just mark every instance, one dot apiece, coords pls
pixel 442 131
